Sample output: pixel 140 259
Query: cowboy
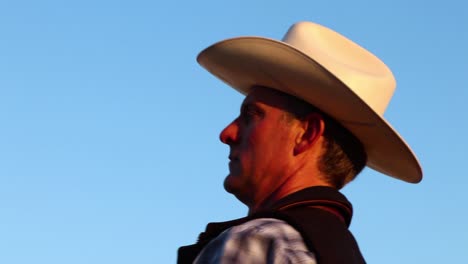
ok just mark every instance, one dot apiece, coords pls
pixel 311 120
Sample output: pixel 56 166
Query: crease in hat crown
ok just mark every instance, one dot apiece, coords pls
pixel 330 71
pixel 356 67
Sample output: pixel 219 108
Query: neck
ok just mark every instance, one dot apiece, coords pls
pixel 290 185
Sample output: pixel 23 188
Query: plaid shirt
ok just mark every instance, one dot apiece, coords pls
pixel 263 240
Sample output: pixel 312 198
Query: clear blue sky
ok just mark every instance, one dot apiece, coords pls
pixel 109 149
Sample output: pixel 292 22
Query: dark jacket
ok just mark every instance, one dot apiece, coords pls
pixel 321 214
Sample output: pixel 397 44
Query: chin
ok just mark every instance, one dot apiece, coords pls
pixel 229 183
pixel 234 185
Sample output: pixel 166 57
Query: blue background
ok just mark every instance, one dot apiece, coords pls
pixel 109 149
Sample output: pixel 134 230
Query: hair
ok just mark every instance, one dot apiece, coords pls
pixel 344 155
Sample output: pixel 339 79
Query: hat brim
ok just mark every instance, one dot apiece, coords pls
pixel 246 62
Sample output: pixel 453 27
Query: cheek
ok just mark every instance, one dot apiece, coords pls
pixel 249 136
pixel 261 148
pixel 252 149
pixel 279 142
pixel 261 143
pixel 255 141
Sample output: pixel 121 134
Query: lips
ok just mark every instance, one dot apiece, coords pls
pixel 232 161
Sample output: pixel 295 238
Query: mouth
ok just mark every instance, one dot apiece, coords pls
pixel 232 161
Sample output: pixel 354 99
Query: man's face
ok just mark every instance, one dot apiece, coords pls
pixel 261 141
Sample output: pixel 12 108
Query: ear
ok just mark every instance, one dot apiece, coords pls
pixel 313 127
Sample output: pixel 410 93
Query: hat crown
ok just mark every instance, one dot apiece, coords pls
pixel 365 74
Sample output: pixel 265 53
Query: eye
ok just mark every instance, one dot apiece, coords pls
pixel 246 116
pixel 248 113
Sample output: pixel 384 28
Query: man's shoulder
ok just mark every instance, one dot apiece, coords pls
pixel 261 240
pixel 269 232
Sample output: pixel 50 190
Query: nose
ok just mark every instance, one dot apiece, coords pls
pixel 230 134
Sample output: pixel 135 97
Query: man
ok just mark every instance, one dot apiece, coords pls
pixel 311 120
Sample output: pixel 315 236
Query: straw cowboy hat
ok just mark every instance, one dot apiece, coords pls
pixel 329 71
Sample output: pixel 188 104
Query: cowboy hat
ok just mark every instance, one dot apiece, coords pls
pixel 329 71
